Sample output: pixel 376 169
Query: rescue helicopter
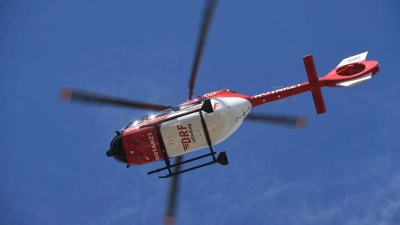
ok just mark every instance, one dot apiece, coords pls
pixel 209 119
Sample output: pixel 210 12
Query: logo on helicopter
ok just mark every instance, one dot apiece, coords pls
pixel 216 104
pixel 153 146
pixel 187 136
pixel 276 91
pixel 209 94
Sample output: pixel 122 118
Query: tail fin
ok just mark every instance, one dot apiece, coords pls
pixel 353 59
pixel 312 78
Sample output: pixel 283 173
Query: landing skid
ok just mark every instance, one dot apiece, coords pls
pixel 221 159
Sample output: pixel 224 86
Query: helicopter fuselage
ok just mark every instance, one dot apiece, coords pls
pixel 186 128
pixel 181 131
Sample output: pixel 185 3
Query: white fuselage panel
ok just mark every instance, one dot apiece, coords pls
pixel 186 133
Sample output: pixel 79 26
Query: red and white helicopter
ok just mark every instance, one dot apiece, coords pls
pixel 211 118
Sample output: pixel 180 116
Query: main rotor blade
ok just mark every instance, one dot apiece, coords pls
pixel 285 120
pixel 170 215
pixel 67 94
pixel 210 7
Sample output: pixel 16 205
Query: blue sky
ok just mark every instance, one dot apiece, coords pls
pixel 342 169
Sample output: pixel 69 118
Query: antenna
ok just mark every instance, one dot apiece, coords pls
pixel 276 88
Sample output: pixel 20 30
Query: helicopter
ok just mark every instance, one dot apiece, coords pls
pixel 209 119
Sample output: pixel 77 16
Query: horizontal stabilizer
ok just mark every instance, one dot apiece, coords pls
pixel 318 100
pixel 313 78
pixel 310 69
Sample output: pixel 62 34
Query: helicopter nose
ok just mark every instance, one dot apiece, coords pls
pixel 116 149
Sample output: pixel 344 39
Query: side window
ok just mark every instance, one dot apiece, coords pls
pixel 159 114
pixel 156 115
pixel 190 105
pixel 136 122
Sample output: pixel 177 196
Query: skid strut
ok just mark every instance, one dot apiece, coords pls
pixel 221 159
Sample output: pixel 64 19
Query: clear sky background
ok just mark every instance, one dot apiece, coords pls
pixel 344 168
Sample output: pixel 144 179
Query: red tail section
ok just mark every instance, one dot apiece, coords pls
pixel 313 78
pixel 350 72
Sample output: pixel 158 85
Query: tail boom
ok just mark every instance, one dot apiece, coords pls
pixel 342 76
